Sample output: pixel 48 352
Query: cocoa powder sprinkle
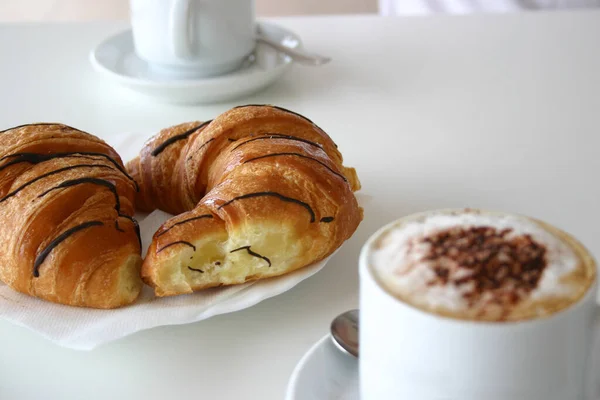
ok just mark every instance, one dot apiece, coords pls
pixel 506 267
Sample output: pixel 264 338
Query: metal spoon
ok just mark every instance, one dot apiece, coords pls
pixel 344 332
pixel 295 54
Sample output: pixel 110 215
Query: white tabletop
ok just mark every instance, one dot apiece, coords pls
pixel 500 112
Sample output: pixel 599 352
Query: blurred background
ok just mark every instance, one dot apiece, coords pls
pixel 68 10
pixel 87 10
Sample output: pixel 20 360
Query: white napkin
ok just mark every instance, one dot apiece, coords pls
pixel 84 329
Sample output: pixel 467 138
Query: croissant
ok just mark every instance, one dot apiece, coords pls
pixel 259 191
pixel 65 218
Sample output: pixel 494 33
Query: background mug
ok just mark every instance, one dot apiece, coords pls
pixel 407 353
pixel 193 38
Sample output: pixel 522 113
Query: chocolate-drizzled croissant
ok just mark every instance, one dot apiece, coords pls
pixel 260 191
pixel 66 229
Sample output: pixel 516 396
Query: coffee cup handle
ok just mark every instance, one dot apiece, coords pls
pixel 179 28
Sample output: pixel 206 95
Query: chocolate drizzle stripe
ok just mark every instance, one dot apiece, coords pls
pixel 86 180
pixel 196 269
pixel 293 112
pixel 23 186
pixel 252 253
pixel 326 219
pixel 183 222
pixel 136 227
pixel 118 228
pixel 284 110
pixel 177 242
pixel 42 124
pixel 35 158
pixel 100 182
pixel 301 156
pixel 270 136
pixel 201 147
pixel 272 194
pixel 160 148
pixel 60 238
pixel 205 143
pixel 278 108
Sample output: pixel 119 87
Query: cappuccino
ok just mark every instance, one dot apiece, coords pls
pixel 477 265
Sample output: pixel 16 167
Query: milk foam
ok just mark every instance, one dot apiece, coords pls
pixel 396 258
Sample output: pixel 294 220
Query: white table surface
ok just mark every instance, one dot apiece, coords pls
pixel 500 112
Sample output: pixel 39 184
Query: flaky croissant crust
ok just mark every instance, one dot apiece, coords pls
pixel 66 206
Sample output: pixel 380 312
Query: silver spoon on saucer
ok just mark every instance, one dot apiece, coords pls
pixel 296 54
pixel 344 332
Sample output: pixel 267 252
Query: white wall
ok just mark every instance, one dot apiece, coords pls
pixel 69 10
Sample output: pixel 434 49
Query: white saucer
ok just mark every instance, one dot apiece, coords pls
pixel 116 59
pixel 326 373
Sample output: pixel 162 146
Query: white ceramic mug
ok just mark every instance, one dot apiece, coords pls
pixel 406 353
pixel 193 38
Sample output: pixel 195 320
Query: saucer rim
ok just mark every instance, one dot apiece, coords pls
pixel 183 83
pixel 292 386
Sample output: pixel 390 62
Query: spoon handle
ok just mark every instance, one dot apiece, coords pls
pixel 344 332
pixel 297 55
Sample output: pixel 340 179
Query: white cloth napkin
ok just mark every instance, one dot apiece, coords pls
pixel 85 329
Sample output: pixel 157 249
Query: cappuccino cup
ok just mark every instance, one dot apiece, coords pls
pixel 193 38
pixel 472 305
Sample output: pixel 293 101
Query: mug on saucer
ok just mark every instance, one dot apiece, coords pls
pixel 193 38
pixel 471 305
